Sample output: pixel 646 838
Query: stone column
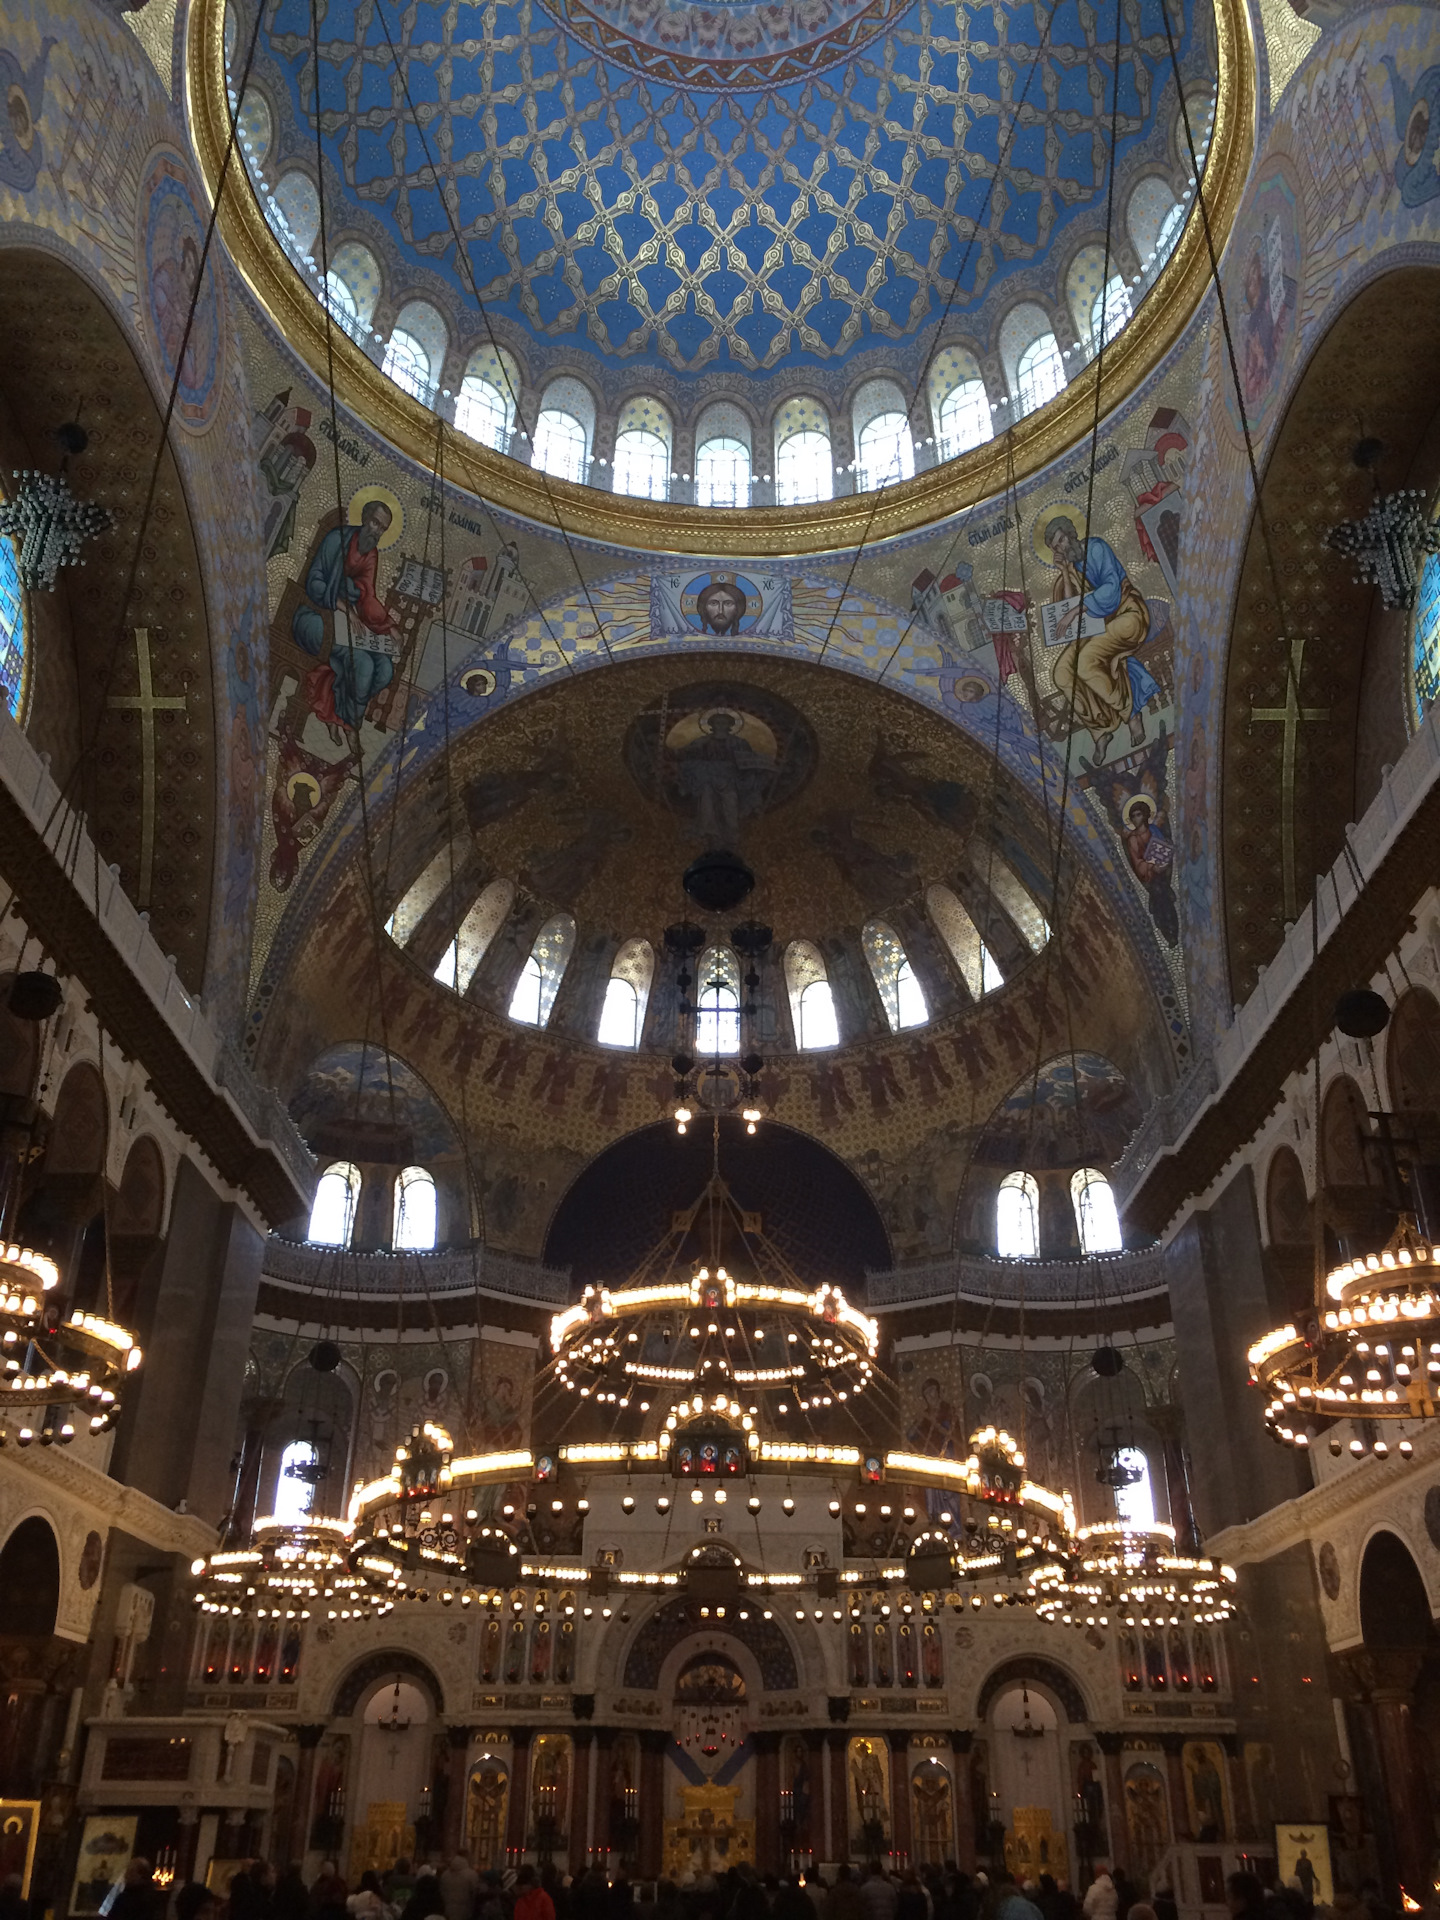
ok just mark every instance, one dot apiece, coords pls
pixel 652 1803
pixel 309 1737
pixel 580 1800
pixel 177 1433
pixel 1243 1812
pixel 839 1835
pixel 1174 1745
pixel 1390 1678
pixel 767 1803
pixel 457 1750
pixel 1110 1745
pixel 900 1842
pixel 810 1837
pixel 960 1745
pixel 517 1824
pixel 1167 1422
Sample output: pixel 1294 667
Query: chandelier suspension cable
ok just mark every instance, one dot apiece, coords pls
pixel 923 376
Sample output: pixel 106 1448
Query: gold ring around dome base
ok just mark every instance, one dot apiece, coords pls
pixel 661 526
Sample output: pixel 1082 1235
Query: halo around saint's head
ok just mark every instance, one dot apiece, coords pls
pixel 361 499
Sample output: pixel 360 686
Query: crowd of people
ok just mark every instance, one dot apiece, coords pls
pixel 457 1891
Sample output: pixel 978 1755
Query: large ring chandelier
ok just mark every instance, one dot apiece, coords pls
pixel 1124 1575
pixel 289 1571
pixel 1371 1352
pixel 55 1365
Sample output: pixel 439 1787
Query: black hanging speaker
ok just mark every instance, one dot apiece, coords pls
pixel 324 1356
pixel 34 996
pixel 1361 1014
pixel 1107 1362
pixel 718 881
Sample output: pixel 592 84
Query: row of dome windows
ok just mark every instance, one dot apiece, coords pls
pixel 962 409
pixel 1017 1204
pixel 1017 1215
pixel 812 1004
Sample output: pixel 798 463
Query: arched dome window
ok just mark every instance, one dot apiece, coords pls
pixel 1029 922
pixel 627 992
pixel 485 404
pixel 407 364
pixel 256 127
pixel 14 652
pixel 298 205
pixel 723 456
pixel 295 1492
pixel 420 896
pixel 415 1217
pixel 804 465
pixel 812 1004
pixel 959 404
pixel 1039 374
pixel 901 994
pixel 642 449
pixel 456 966
pixel 880 419
pixel 979 968
pixel 722 473
pixel 1094 1201
pixel 1135 1503
pixel 340 300
pixel 540 977
pixel 332 1213
pixel 717 999
pixel 1083 291
pixel 565 429
pixel 1017 1218
pixel 354 281
pixel 415 351
pixel 560 444
pixel 1154 218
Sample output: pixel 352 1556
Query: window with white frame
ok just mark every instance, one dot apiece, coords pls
pixel 717 1001
pixel 804 469
pixel 540 977
pixel 627 991
pixel 407 364
pixel 1110 310
pixel 812 1002
pixel 482 412
pixel 295 1491
pixel 964 418
pixel 332 1212
pixel 415 1211
pixel 642 465
pixel 1039 374
pixel 1095 1215
pixel 1017 1218
pixel 340 300
pixel 886 450
pixel 722 473
pixel 901 994
pixel 560 444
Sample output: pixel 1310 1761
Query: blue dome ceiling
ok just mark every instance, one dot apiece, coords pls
pixel 733 187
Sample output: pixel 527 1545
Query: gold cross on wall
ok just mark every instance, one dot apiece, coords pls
pixel 1290 716
pixel 147 703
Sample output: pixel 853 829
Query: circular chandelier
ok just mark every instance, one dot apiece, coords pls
pixel 291 1570
pixel 1370 1353
pixel 1132 1576
pixel 55 1365
pixel 622 1347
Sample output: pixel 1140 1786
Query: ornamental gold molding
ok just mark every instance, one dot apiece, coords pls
pixel 660 526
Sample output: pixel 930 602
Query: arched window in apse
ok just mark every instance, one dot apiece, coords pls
pixel 543 971
pixel 901 994
pixel 1017 1218
pixel 812 1003
pixel 415 1219
pixel 717 999
pixel 622 1018
pixel 332 1213
pixel 295 1492
pixel 1094 1201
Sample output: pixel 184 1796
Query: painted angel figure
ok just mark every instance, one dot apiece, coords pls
pixel 1134 800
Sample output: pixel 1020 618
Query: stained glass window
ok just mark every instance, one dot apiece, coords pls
pixel 543 971
pixel 1424 641
pixel 900 991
